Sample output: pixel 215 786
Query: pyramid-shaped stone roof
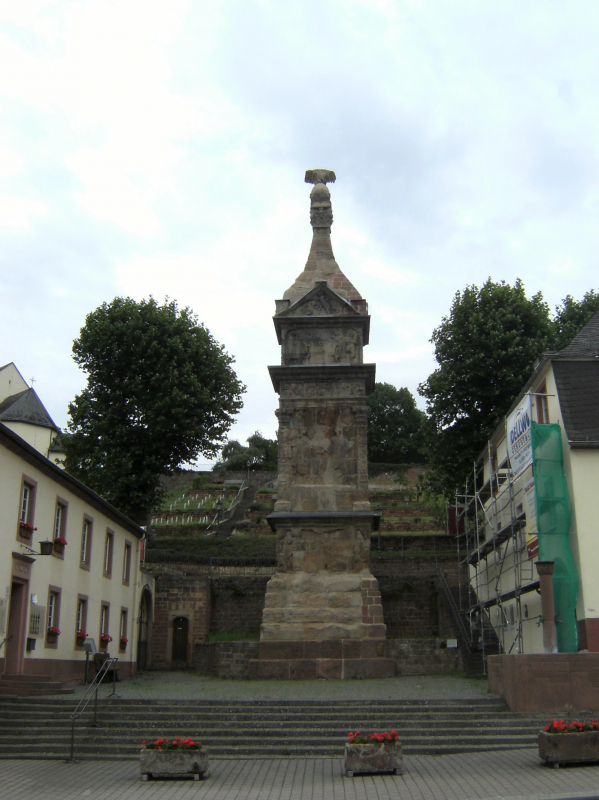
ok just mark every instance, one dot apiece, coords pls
pixel 321 264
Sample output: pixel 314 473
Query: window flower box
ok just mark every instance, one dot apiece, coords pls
pixel 562 743
pixel 60 544
pixel 377 752
pixel 180 758
pixel 53 633
pixel 81 637
pixel 123 643
pixel 26 529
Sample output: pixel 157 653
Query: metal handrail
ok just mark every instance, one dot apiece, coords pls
pixel 92 689
pixel 455 610
pixel 237 496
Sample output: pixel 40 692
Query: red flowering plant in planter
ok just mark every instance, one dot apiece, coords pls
pixel 26 528
pixel 172 744
pixel 123 640
pixel 81 634
pixel 105 638
pixel 561 726
pixel 60 540
pixel 373 738
pixel 53 631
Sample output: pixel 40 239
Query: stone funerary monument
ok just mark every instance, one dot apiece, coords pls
pixel 323 616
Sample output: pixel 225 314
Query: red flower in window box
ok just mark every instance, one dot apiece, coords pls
pixel 53 631
pixel 123 640
pixel 374 738
pixel 26 528
pixel 60 540
pixel 172 744
pixel 82 634
pixel 105 638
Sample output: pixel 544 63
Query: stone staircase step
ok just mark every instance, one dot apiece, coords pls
pixel 151 726
pixel 260 729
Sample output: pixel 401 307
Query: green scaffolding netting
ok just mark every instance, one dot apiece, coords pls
pixel 553 522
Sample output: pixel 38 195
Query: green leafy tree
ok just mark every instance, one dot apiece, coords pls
pixel 572 315
pixel 261 454
pixel 485 349
pixel 160 392
pixel 395 426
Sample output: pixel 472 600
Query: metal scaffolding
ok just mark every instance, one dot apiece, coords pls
pixel 490 524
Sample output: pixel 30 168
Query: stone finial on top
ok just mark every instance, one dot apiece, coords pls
pixel 320 176
pixel 321 211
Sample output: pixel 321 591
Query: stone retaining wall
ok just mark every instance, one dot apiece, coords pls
pixel 237 603
pixel 411 656
pixel 225 659
pixel 232 599
pixel 423 656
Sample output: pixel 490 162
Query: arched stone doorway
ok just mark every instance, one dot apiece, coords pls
pixel 180 639
pixel 144 622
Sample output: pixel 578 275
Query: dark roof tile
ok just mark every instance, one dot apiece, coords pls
pixel 26 407
pixel 578 390
pixel 586 342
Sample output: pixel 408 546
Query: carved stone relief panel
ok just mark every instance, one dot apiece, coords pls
pixel 319 346
pixel 318 445
pixel 323 548
pixel 316 389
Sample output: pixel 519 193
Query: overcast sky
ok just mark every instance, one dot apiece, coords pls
pixel 160 148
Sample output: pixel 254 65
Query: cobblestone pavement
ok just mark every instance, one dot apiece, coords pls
pixel 192 686
pixel 515 774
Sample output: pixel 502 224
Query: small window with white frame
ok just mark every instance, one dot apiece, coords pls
pixel 81 630
pixel 86 542
pixel 59 526
pixel 25 527
pixel 123 640
pixel 52 606
pixel 108 549
pixel 105 637
pixel 127 563
pixel 53 617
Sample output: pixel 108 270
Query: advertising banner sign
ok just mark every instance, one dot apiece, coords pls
pixel 519 445
pixel 530 508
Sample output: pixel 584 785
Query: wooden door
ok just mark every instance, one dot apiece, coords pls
pixel 15 631
pixel 142 639
pixel 180 636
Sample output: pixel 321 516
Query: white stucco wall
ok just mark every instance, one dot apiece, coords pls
pixel 35 435
pixel 11 381
pixel 67 573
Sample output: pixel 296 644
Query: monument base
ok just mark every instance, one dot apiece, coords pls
pixel 322 658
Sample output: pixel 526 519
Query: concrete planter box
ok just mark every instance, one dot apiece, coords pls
pixel 363 758
pixel 173 763
pixel 563 748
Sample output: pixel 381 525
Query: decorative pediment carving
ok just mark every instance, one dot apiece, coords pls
pixel 320 302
